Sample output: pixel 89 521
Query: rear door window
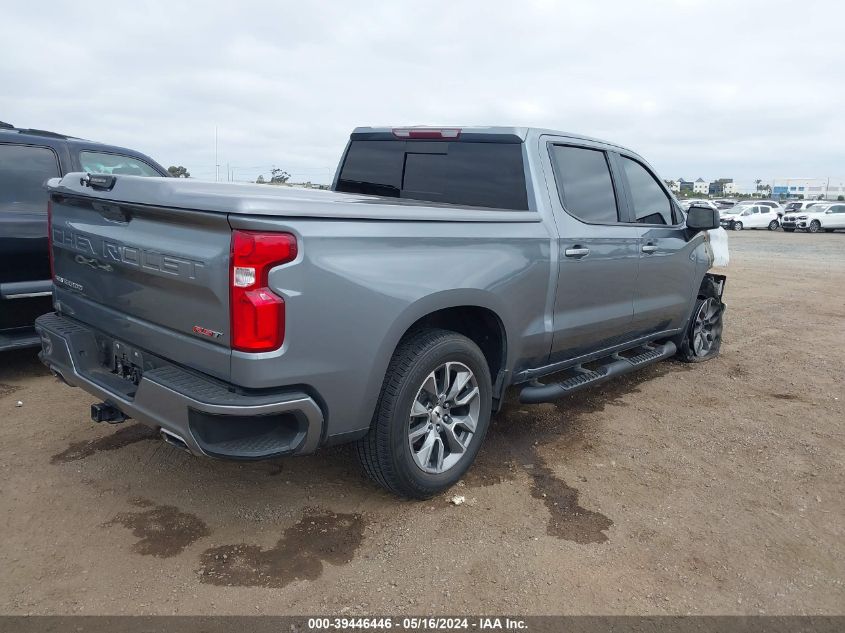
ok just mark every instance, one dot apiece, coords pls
pixel 466 173
pixel 651 204
pixel 23 172
pixel 107 163
pixel 584 184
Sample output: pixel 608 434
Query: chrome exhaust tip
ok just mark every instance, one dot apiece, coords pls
pixel 174 440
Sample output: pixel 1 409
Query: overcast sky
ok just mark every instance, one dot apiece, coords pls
pixel 740 89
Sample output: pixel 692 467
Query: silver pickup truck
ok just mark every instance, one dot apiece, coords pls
pixel 446 264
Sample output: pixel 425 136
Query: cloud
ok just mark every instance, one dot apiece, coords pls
pixel 699 88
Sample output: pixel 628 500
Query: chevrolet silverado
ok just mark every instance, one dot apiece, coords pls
pixel 249 321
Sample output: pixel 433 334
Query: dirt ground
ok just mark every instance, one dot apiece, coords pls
pixel 713 488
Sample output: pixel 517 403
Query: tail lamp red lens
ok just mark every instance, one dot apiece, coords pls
pixel 258 314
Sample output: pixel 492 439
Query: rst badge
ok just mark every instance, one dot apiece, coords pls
pixel 204 331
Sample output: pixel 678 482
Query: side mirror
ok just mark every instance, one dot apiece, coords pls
pixel 702 218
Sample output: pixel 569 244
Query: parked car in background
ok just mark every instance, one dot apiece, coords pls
pixel 796 206
pixel 699 202
pixel 776 206
pixel 724 203
pixel 752 216
pixel 817 216
pixel 766 203
pixel 28 158
pixel 393 311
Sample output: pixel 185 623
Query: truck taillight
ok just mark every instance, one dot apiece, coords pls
pixel 50 237
pixel 258 314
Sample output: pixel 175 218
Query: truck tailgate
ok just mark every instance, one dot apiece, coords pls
pixel 129 268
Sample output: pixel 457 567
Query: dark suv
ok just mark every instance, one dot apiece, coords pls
pixel 27 159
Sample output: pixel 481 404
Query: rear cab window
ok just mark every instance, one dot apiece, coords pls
pixel 23 171
pixel 467 173
pixel 117 164
pixel 584 184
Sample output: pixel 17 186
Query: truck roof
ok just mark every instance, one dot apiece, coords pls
pixel 9 133
pixel 494 133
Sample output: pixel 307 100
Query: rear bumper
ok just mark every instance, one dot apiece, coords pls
pixel 18 338
pixel 211 418
pixel 26 289
pixel 21 302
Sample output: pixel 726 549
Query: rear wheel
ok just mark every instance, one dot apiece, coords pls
pixel 773 225
pixel 737 226
pixel 703 337
pixel 814 227
pixel 431 417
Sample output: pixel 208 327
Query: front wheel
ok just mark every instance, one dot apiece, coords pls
pixel 431 417
pixel 737 226
pixel 773 225
pixel 703 337
pixel 814 227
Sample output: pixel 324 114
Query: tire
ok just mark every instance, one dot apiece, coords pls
pixel 814 227
pixel 398 440
pixel 789 230
pixel 737 226
pixel 773 225
pixel 693 348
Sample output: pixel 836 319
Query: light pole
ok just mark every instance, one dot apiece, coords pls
pixel 216 163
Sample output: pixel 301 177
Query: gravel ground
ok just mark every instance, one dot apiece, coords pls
pixel 713 488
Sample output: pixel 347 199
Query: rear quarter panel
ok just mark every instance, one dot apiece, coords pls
pixel 356 288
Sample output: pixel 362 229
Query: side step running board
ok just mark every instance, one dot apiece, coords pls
pixel 616 365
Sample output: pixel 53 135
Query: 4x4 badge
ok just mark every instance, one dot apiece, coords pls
pixel 93 263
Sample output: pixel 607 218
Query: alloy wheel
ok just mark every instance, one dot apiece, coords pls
pixel 707 328
pixel 444 416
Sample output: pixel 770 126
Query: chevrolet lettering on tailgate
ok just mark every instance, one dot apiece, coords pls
pixel 112 251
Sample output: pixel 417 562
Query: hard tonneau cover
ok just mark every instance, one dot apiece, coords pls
pixel 271 200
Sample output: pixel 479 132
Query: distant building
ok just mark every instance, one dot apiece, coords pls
pixel 701 186
pixel 722 187
pixel 685 186
pixel 808 188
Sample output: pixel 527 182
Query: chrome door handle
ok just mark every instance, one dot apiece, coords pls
pixel 649 248
pixel 576 252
